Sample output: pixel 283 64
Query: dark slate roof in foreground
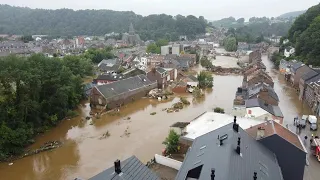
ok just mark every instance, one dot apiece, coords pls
pixel 229 165
pixel 132 169
pixel 125 85
pixel 274 110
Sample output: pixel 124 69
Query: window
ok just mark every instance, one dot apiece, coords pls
pixel 194 173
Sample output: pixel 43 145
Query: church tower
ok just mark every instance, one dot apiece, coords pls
pixel 131 29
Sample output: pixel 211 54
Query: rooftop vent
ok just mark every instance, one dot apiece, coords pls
pixel 238 146
pixel 117 166
pixel 213 174
pixel 235 125
pixel 255 176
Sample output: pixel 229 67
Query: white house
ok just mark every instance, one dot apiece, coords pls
pixel 289 52
pixel 256 108
pixel 209 121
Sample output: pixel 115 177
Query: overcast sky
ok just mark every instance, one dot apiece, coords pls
pixel 210 9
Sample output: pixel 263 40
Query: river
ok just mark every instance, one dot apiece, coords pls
pixel 84 154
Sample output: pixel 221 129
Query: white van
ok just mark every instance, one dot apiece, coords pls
pixel 313 122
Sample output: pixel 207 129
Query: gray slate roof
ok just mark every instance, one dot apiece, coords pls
pixel 296 65
pixel 229 165
pixel 274 110
pixel 105 67
pixel 255 89
pixel 311 73
pixel 110 77
pixel 160 70
pixel 123 86
pixel 313 79
pixel 132 169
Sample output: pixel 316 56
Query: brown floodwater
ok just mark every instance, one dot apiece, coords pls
pixel 85 154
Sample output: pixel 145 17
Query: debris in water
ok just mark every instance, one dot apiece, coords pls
pixel 153 113
pixel 105 135
pixel 10 164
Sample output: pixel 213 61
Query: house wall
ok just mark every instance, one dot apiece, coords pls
pixel 168 162
pixel 179 89
pixel 310 96
pixel 155 76
pixel 295 78
pixel 96 99
pixel 291 159
pixel 302 88
pixel 176 50
pixel 119 100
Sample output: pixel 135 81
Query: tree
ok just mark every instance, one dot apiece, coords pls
pixel 36 93
pixel 153 48
pixel 206 63
pixel 205 79
pixel 162 42
pixel 26 39
pixel 171 142
pixel 219 110
pixel 240 20
pixel 96 23
pixel 230 43
pixel 307 45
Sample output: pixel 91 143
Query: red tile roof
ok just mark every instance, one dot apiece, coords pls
pixel 271 128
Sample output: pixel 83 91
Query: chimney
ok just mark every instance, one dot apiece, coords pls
pixel 117 166
pixel 260 132
pixel 213 174
pixel 255 176
pixel 235 125
pixel 238 146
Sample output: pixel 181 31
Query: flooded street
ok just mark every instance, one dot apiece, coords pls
pixel 84 154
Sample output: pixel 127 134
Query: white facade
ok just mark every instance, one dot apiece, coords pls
pixel 289 53
pixel 210 121
pixel 165 50
pixel 176 49
pixel 259 113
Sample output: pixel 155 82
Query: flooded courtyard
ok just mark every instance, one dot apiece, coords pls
pixel 85 154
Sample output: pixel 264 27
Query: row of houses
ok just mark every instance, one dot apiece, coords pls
pixel 120 81
pixel 220 146
pixel 256 97
pixel 305 79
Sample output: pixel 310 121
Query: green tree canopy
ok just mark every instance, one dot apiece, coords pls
pixel 67 22
pixel 36 92
pixel 230 43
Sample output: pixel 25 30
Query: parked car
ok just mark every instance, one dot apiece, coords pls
pixel 303 121
pixel 313 122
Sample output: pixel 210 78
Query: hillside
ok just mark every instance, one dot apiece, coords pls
pixel 67 22
pixel 305 36
pixel 293 14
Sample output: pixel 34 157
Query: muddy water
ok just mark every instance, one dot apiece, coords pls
pixel 289 102
pixel 84 154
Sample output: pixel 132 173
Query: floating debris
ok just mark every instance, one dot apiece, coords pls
pixel 105 135
pixel 153 113
pixel 10 164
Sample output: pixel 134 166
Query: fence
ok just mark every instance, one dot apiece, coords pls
pixel 168 162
